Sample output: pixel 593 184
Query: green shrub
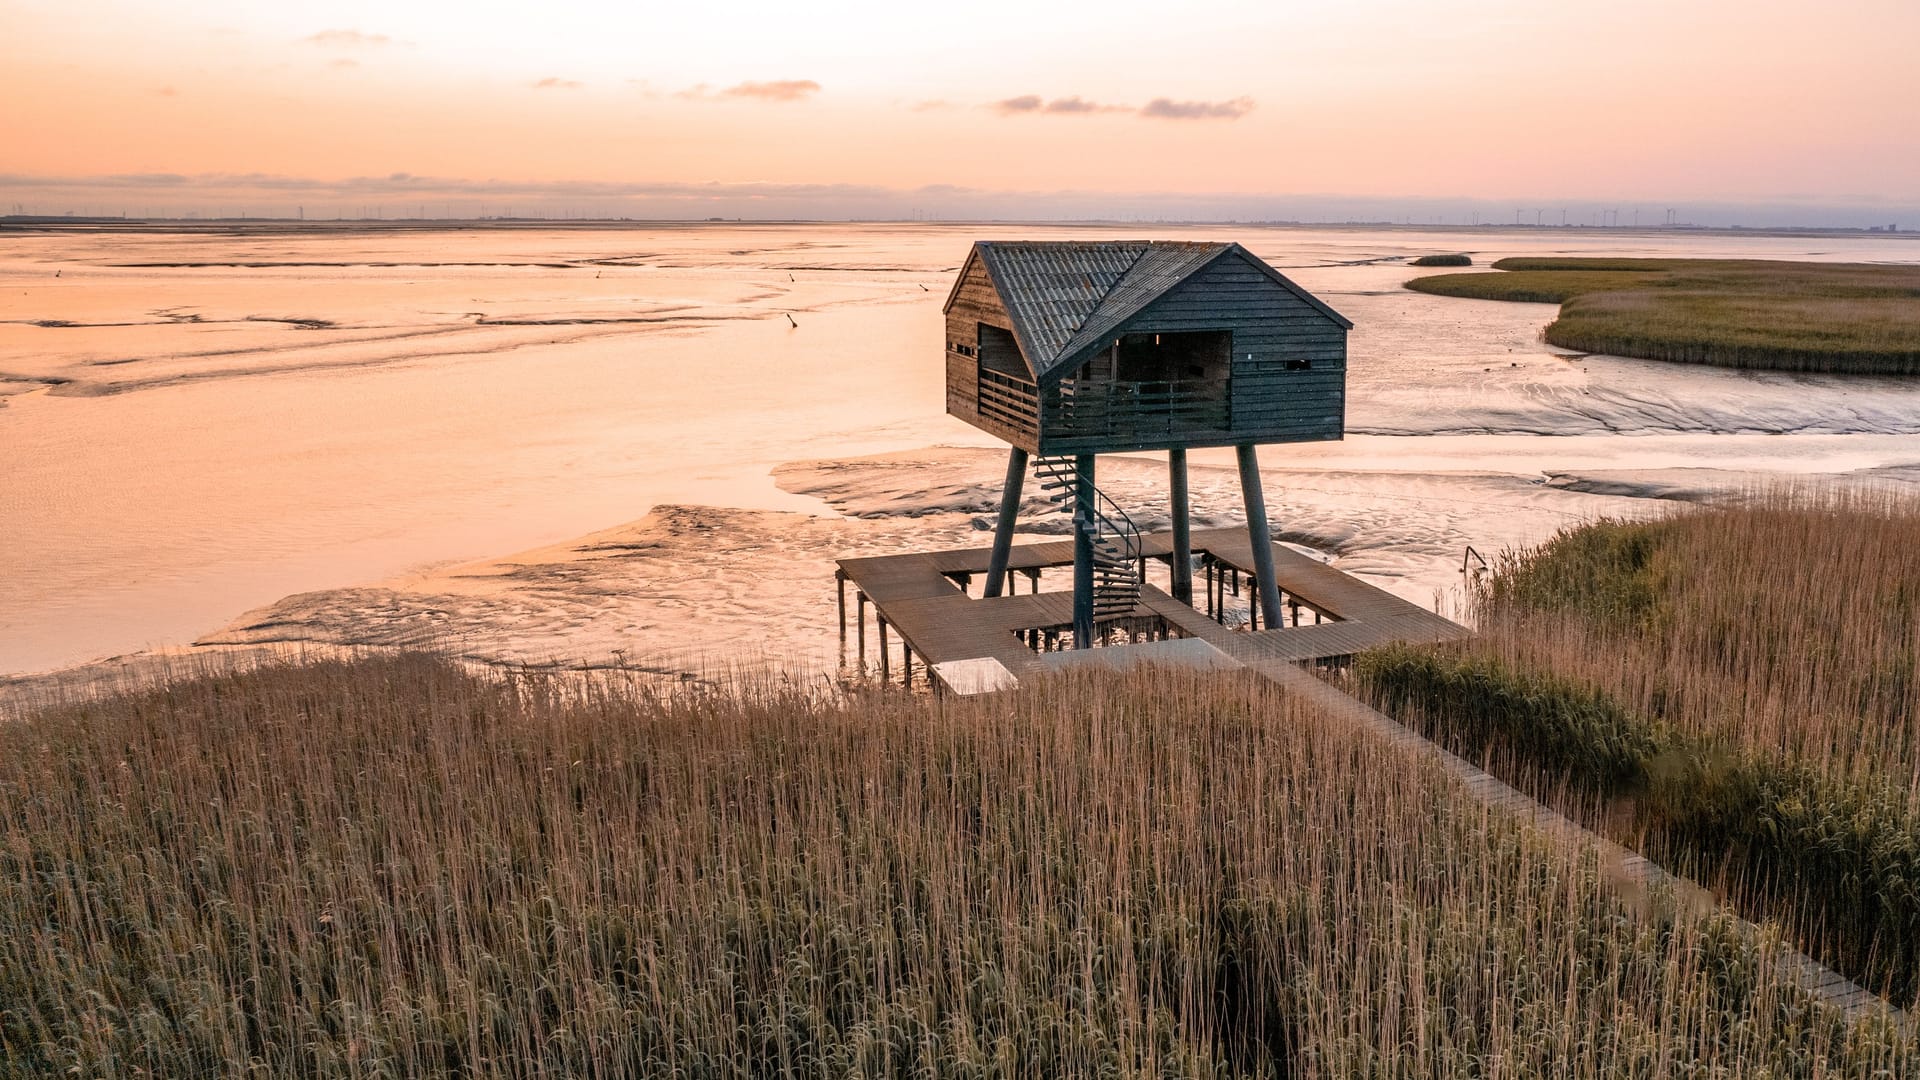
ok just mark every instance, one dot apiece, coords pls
pixel 1611 572
pixel 1474 703
pixel 1838 858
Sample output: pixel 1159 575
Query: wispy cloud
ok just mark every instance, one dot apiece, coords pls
pixel 555 83
pixel 775 90
pixel 1077 105
pixel 1159 108
pixel 348 39
pixel 1169 109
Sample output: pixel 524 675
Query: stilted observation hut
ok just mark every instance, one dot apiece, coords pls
pixel 1068 350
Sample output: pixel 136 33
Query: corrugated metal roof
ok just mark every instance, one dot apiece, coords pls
pixel 1065 296
pixel 1051 288
pixel 1158 269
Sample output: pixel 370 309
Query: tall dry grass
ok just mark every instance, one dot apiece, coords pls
pixel 390 868
pixel 1741 681
pixel 1787 623
pixel 1745 313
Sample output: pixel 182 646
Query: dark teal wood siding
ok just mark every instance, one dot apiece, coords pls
pixel 1288 364
pixel 1272 328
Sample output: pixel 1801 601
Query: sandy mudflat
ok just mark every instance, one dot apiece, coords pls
pixel 689 586
pixel 340 434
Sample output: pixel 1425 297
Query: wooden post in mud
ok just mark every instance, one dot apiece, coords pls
pixel 1003 528
pixel 860 624
pixel 1182 535
pixel 1258 531
pixel 840 588
pixel 1083 511
pixel 885 675
pixel 906 664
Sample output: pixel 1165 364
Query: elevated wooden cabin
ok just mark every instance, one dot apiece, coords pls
pixel 1076 347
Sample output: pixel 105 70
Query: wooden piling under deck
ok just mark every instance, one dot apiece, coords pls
pixel 917 597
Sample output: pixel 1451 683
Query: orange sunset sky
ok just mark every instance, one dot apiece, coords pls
pixel 1381 108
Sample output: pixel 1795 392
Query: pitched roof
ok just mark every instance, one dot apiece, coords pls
pixel 1064 297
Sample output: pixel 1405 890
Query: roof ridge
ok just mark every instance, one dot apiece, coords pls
pixel 1140 252
pixel 1121 303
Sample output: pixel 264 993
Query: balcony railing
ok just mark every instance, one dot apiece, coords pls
pixel 1009 400
pixel 1135 410
pixel 1104 410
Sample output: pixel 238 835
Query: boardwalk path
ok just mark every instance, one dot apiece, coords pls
pixel 968 644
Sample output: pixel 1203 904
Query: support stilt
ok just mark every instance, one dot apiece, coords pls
pixel 1003 528
pixel 1083 516
pixel 1182 535
pixel 1258 531
pixel 885 675
pixel 860 625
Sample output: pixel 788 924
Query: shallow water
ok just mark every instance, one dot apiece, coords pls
pixel 344 438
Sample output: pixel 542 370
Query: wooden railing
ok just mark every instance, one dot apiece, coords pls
pixel 1125 410
pixel 1010 400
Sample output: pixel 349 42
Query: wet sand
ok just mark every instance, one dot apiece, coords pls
pixel 238 441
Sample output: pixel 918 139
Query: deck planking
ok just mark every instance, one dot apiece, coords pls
pixel 918 597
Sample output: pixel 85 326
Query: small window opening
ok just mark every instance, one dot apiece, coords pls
pixel 1299 365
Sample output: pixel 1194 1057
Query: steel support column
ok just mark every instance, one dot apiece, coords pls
pixel 1258 532
pixel 1003 528
pixel 1182 534
pixel 1083 526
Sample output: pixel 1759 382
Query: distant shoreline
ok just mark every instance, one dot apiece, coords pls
pixel 26 223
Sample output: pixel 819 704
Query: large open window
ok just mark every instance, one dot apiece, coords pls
pixel 1005 388
pixel 1000 352
pixel 1190 356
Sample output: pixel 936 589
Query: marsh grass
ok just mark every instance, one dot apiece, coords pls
pixel 1442 260
pixel 1747 313
pixel 390 868
pixel 1744 678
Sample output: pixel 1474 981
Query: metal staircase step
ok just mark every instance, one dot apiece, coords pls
pixel 1114 539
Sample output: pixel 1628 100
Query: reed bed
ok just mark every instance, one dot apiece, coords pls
pixel 1738 682
pixel 1788 622
pixel 1442 260
pixel 1745 313
pixel 391 868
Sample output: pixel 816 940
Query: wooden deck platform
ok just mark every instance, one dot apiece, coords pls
pixel 969 643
